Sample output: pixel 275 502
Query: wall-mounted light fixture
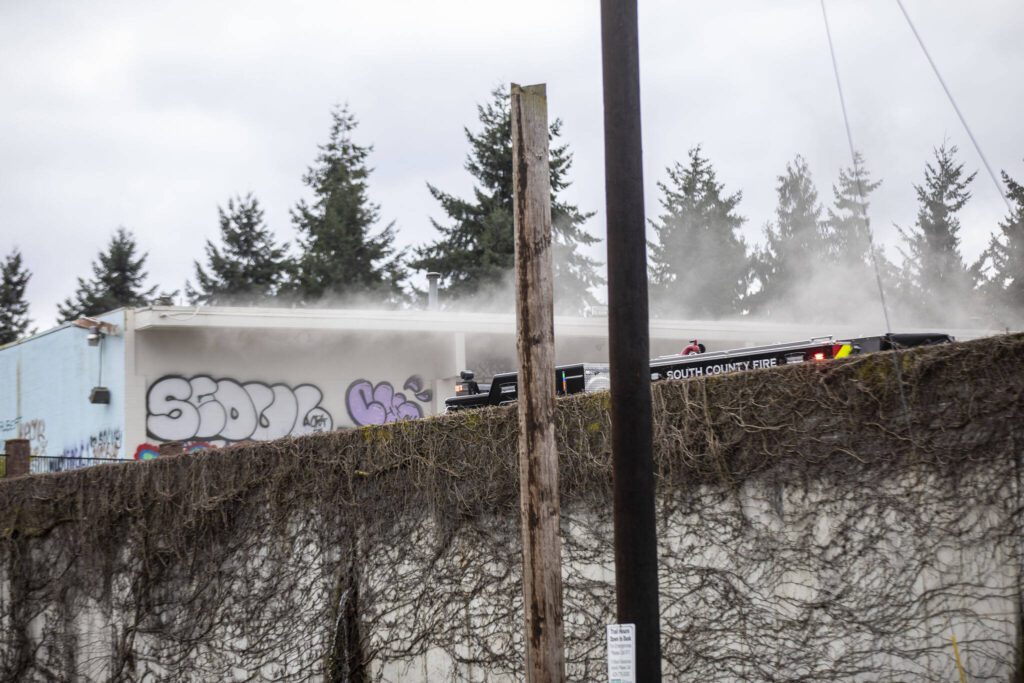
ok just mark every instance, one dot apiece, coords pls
pixel 94 325
pixel 99 396
pixel 98 331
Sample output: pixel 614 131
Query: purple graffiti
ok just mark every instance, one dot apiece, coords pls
pixel 375 405
pixel 415 385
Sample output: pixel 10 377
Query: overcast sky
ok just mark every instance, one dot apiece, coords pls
pixel 150 115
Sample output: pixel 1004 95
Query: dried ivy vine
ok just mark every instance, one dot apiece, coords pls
pixel 804 536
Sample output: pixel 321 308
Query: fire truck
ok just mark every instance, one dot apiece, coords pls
pixel 693 361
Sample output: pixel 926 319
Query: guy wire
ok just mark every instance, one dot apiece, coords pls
pixel 867 225
pixel 952 101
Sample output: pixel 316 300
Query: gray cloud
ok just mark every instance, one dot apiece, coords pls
pixel 149 116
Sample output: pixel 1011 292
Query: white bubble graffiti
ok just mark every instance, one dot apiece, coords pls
pixel 179 409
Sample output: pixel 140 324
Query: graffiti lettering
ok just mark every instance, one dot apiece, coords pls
pixel 45 465
pixel 35 432
pixel 203 408
pixel 151 451
pixel 9 425
pixel 370 404
pixel 416 385
pixel 104 444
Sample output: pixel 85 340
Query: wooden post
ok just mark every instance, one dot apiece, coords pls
pixel 18 458
pixel 535 344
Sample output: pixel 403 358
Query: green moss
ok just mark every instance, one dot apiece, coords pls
pixel 876 372
pixel 377 434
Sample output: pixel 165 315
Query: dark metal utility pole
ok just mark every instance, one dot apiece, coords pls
pixel 636 552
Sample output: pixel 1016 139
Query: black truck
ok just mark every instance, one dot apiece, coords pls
pixel 693 362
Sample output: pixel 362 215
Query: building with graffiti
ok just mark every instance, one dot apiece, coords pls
pixel 119 385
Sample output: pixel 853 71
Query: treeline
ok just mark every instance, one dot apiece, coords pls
pixel 816 262
pixel 819 262
pixel 345 252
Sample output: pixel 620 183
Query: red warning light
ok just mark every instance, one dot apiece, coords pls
pixel 819 356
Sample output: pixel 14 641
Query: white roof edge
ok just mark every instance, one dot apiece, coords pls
pixel 177 317
pixel 61 326
pixel 184 317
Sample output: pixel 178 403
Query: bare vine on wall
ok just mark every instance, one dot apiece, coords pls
pixel 811 528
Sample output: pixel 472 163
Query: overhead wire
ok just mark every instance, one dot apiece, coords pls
pixel 867 225
pixel 995 181
pixel 956 108
pixel 856 172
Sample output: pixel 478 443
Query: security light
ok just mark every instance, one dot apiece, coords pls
pixel 99 396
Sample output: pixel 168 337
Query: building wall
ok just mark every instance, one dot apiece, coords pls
pixel 216 386
pixel 220 385
pixel 212 386
pixel 45 383
pixel 210 377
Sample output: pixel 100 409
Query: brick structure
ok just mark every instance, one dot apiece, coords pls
pixel 17 458
pixel 171 448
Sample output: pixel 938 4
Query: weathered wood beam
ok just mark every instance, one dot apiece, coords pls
pixel 535 344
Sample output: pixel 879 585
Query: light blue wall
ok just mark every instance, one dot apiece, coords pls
pixel 44 392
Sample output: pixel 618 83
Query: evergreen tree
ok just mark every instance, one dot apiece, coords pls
pixel 14 320
pixel 699 263
pixel 575 273
pixel 340 254
pixel 935 280
pixel 477 248
pixel 118 280
pixel 1004 257
pixel 848 280
pixel 793 244
pixel 249 268
pixel 848 224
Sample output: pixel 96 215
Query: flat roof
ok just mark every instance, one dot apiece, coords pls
pixel 152 318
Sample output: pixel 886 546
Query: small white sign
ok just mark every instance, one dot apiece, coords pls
pixel 622 653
